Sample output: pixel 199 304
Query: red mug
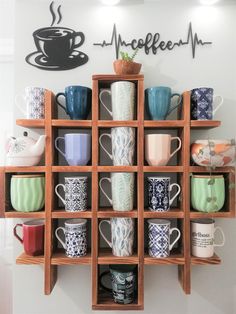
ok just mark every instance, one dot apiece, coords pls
pixel 33 236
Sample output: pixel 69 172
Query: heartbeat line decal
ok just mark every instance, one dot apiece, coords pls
pixel 152 42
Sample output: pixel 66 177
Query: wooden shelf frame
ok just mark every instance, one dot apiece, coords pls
pixel 53 257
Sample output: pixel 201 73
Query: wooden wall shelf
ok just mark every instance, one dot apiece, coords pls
pixel 99 257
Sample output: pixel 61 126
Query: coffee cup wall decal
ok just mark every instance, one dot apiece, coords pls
pixel 57 46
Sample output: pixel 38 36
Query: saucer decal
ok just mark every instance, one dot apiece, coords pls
pixel 57 46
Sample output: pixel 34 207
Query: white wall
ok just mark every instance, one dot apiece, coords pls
pixel 213 288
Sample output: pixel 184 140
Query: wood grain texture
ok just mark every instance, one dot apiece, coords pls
pixel 214 260
pixel 59 258
pixel 175 258
pixel 31 123
pixel 163 169
pixel 61 213
pixel 166 124
pixel 25 259
pixel 110 124
pixel 109 212
pixel 2 192
pixel 172 213
pixel 35 169
pixel 205 124
pixel 22 215
pixel 72 169
pixel 117 168
pixel 72 123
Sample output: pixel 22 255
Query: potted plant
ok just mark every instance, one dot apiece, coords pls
pixel 126 64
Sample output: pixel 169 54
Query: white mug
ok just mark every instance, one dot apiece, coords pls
pixel 202 237
pixel 34 101
pixel 158 149
pixel 122 235
pixel 123 143
pixel 122 100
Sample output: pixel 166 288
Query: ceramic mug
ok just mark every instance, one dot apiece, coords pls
pixel 77 148
pixel 76 194
pixel 122 235
pixel 122 190
pixel 75 232
pixel 158 102
pixel 33 236
pixel 78 100
pixel 122 100
pixel 202 237
pixel 27 192
pixel 202 103
pixel 158 149
pixel 207 192
pixel 34 99
pixel 159 189
pixel 123 282
pixel 123 143
pixel 159 232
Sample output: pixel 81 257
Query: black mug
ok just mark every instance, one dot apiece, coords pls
pixel 123 280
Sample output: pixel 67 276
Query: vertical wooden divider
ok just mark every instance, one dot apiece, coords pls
pixel 95 150
pixel 2 192
pixel 140 187
pixel 184 270
pixel 50 271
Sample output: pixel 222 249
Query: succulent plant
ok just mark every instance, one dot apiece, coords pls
pixel 125 56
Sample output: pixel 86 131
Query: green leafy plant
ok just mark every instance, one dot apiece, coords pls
pixel 125 56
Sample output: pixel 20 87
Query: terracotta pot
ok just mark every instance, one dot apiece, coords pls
pixel 126 67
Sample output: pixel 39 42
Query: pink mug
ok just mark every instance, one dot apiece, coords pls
pixel 158 149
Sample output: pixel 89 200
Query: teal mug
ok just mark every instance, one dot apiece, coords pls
pixel 207 193
pixel 158 102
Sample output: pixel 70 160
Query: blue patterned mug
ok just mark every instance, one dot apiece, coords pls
pixel 159 232
pixel 123 282
pixel 75 232
pixel 158 102
pixel 78 101
pixel 202 101
pixel 159 189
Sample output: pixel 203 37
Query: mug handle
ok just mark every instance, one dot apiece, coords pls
pixel 105 273
pixel 178 148
pixel 15 232
pixel 100 142
pixel 223 236
pixel 105 91
pixel 59 239
pixel 56 145
pixel 176 194
pixel 18 103
pixel 219 105
pixel 81 35
pixel 57 193
pixel 178 236
pixel 178 103
pixel 100 185
pixel 57 100
pixel 100 229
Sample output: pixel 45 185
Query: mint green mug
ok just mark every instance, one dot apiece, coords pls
pixel 27 192
pixel 207 193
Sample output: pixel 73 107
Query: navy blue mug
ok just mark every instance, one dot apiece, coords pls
pixel 202 103
pixel 158 102
pixel 78 101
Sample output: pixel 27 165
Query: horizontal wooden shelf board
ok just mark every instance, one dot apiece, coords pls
pixel 164 123
pixel 61 213
pixel 71 123
pixel 71 168
pixel 109 212
pixel 15 214
pixel 117 168
pixel 12 169
pixel 220 214
pixel 173 259
pixel 214 260
pixel 31 123
pixel 163 169
pixel 109 123
pixel 59 258
pixel 172 213
pixel 204 123
pixel 106 257
pixel 25 259
pixel 216 170
pixel 115 77
pixel 112 306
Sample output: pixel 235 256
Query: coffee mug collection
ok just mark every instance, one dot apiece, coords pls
pixel 27 192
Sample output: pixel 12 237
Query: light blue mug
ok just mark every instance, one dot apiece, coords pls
pixel 77 148
pixel 158 102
